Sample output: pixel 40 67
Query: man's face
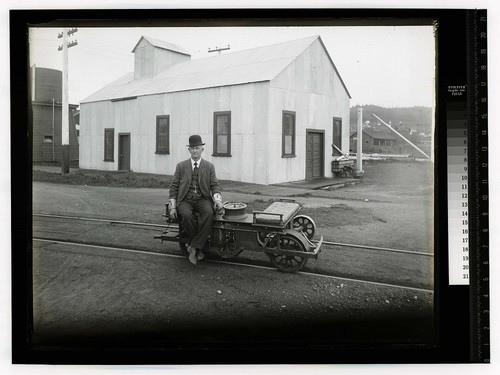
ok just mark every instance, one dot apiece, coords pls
pixel 196 152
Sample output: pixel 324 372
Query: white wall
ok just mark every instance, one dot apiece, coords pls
pixel 311 88
pixel 191 112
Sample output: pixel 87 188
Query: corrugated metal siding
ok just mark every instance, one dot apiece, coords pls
pixel 42 126
pixel 190 112
pixel 144 61
pixel 310 87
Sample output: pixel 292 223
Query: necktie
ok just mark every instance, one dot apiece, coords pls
pixel 195 170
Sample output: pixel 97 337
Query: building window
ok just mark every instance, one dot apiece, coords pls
pixel 47 139
pixel 109 144
pixel 288 142
pixel 337 132
pixel 162 134
pixel 222 134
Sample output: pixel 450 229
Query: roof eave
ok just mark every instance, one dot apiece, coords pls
pixel 117 98
pixel 335 68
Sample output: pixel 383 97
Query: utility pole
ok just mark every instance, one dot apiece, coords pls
pixel 65 105
pixel 53 133
pixel 359 143
pixel 219 50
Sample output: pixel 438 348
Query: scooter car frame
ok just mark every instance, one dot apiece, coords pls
pixel 278 231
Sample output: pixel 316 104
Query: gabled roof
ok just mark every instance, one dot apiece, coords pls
pixel 252 65
pixel 163 45
pixel 379 134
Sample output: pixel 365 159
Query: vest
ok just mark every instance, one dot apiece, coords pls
pixel 194 188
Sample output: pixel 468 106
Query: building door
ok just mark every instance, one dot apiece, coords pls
pixel 124 152
pixel 315 153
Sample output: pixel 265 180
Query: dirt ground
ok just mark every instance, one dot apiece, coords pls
pixel 392 207
pixel 84 292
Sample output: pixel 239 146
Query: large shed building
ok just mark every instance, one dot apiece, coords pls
pixel 267 114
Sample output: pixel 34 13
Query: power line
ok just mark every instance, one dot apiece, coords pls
pixel 108 54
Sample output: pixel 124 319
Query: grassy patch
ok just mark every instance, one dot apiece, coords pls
pixel 103 178
pixel 302 195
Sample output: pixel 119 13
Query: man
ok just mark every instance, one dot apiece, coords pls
pixel 194 189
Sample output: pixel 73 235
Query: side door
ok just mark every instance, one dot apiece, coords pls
pixel 315 147
pixel 124 152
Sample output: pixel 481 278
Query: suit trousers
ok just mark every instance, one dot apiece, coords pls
pixel 197 233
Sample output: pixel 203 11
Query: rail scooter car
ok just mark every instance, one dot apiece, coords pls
pixel 279 231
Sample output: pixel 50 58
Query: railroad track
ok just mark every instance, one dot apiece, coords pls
pixel 133 223
pixel 238 261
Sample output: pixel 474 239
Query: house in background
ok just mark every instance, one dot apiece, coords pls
pixel 379 140
pixel 46 105
pixel 376 141
pixel 267 114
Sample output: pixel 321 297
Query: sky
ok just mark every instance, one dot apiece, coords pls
pixel 389 66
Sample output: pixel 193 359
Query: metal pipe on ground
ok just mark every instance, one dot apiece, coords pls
pixel 398 133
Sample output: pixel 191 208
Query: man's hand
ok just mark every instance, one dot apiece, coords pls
pixel 173 213
pixel 218 206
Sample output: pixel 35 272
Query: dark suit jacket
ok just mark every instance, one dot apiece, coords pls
pixel 179 186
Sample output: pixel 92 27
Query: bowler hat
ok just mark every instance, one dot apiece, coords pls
pixel 195 140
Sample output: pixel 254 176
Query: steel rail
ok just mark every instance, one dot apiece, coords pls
pixel 328 243
pixel 232 263
pixel 111 221
pixel 376 248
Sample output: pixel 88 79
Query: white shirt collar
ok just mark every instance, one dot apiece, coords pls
pixel 192 163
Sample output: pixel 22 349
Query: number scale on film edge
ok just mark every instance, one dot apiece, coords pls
pixel 467 151
pixel 478 200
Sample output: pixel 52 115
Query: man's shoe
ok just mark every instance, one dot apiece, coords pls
pixel 200 255
pixel 192 255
